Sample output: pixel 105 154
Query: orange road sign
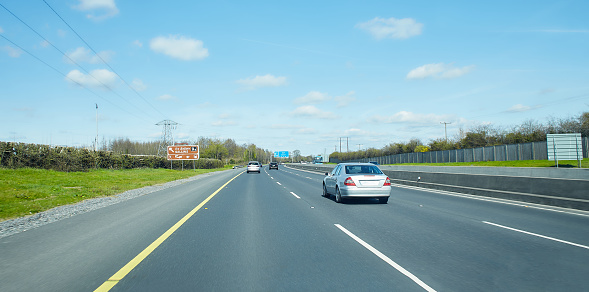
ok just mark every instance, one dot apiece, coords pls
pixel 183 152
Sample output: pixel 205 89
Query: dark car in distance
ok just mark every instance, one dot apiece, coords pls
pixel 273 165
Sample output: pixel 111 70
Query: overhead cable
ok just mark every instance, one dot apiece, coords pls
pixel 69 58
pixel 106 63
pixel 64 75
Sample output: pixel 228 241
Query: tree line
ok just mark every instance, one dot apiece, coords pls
pixel 480 136
pixel 226 150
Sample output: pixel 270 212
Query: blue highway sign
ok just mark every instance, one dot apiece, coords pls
pixel 281 154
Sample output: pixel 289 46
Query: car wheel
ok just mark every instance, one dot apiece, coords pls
pixel 325 193
pixel 383 200
pixel 338 196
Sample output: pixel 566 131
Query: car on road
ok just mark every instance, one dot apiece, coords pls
pixel 273 165
pixel 253 166
pixel 357 180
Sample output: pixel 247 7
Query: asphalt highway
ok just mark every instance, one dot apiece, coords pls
pixel 273 231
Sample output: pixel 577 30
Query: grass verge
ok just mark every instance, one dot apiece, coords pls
pixel 27 191
pixel 515 163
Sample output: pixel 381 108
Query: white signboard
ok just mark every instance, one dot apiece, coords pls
pixel 564 147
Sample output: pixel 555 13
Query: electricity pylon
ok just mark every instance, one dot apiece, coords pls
pixel 167 137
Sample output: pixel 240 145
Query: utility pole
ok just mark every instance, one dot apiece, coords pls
pixel 445 130
pixel 359 145
pixel 96 139
pixel 347 144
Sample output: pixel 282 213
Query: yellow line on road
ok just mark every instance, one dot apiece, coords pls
pixel 118 276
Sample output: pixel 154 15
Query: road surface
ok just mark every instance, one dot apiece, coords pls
pixel 273 231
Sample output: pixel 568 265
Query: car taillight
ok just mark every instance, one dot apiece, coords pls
pixel 387 182
pixel 349 182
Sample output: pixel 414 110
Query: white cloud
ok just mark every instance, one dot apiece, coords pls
pixel 439 70
pixel 414 118
pixel 12 52
pixel 312 97
pixel 138 84
pixel 546 91
pixel 312 111
pixel 138 43
pixel 456 72
pixel 105 8
pixel 166 97
pixel 223 123
pixel 284 126
pixel 346 99
pixel 267 80
pixel 518 108
pixel 225 116
pixel 81 54
pixel 393 28
pixel 564 30
pixel 306 131
pixel 179 47
pixel 96 78
pixel 355 132
pixel 182 135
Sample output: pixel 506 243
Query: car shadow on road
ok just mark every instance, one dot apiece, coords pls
pixel 357 201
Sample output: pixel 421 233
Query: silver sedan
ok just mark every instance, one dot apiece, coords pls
pixel 357 180
pixel 253 166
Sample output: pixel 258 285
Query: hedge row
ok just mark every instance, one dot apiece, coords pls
pixel 16 155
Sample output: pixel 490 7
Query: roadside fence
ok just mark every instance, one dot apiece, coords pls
pixel 523 151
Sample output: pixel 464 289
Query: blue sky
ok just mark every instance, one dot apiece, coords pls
pixel 285 76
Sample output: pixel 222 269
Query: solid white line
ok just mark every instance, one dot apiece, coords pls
pixel 538 235
pixel 278 183
pixel 386 259
pixel 295 195
pixel 497 200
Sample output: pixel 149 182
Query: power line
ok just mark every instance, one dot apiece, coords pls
pixel 71 60
pixel 111 68
pixel 64 75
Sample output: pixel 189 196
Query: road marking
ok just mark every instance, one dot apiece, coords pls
pixel 538 235
pixel 118 276
pixel 386 259
pixel 295 195
pixel 279 183
pixel 497 200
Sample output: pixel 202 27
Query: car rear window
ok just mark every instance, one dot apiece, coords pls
pixel 362 169
pixel 253 163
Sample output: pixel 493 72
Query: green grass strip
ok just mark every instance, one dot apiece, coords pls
pixel 27 191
